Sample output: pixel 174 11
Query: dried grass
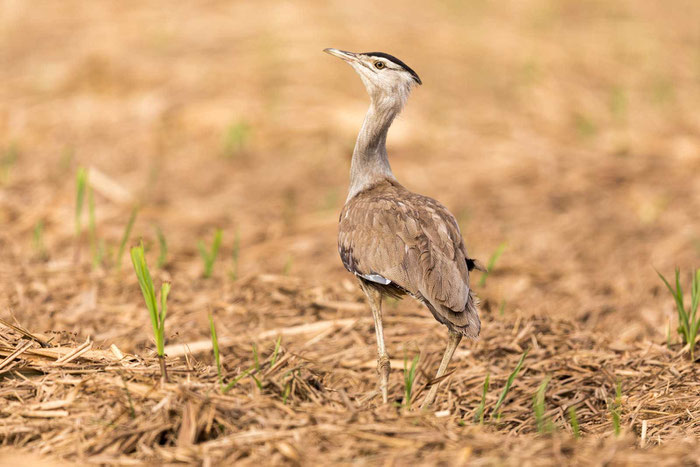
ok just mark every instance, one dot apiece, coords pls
pixel 104 406
pixel 568 130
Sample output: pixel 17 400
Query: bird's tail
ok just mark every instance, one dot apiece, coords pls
pixel 473 326
pixel 465 321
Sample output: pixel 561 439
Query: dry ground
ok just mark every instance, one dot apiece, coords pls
pixel 567 130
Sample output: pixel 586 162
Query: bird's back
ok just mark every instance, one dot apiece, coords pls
pixel 399 240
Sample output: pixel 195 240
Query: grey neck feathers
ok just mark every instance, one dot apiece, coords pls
pixel 370 163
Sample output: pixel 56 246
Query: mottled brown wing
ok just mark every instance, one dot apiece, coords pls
pixel 412 241
pixel 439 254
pixel 367 240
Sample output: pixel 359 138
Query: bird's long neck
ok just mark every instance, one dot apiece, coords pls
pixel 370 163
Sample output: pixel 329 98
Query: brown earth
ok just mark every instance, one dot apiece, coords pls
pixel 568 131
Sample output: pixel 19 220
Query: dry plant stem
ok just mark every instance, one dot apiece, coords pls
pixel 452 342
pixel 383 366
pixel 28 335
pixel 163 370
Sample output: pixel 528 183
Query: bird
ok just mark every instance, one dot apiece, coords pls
pixel 394 241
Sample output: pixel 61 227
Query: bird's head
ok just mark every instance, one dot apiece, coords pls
pixel 387 79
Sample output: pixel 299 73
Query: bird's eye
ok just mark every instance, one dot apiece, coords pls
pixel 379 65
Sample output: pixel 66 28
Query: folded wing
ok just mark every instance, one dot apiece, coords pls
pixel 390 234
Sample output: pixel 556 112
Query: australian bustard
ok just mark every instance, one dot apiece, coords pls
pixel 397 242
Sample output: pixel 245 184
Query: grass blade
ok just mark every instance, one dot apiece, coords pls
pixel 143 275
pixel 164 291
pixel 287 391
pixel 275 353
pixel 81 180
pixel 677 294
pixel 509 383
pixel 235 381
pixel 616 408
pixel 209 256
pixel 492 263
pixel 681 303
pixel 479 415
pixel 695 299
pixel 7 162
pixel 543 425
pixel 287 265
pixel 38 240
pixel 409 376
pixel 573 419
pixel 146 283
pixel 215 347
pixel 162 248
pixel 236 138
pixel 688 322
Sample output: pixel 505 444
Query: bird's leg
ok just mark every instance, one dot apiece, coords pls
pixel 452 343
pixel 383 366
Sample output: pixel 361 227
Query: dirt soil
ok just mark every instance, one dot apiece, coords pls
pixel 565 133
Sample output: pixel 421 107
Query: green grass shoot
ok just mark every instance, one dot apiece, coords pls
pixel 162 248
pixel 81 181
pixel 543 424
pixel 235 381
pixel 38 240
pixel 509 383
pixel 688 320
pixel 215 348
pixel 479 415
pixel 584 125
pixel 287 391
pixel 149 295
pixel 275 353
pixel 502 308
pixel 616 408
pixel 492 263
pixel 209 256
pixel 573 419
pixel 7 162
pixel 258 383
pixel 288 265
pixel 409 376
pixel 236 138
pixel 126 235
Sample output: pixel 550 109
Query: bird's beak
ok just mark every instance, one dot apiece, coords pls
pixel 347 56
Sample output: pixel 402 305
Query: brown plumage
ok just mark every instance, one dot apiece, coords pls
pixel 397 242
pixel 414 242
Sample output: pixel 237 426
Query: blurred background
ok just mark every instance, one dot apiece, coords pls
pixel 567 132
